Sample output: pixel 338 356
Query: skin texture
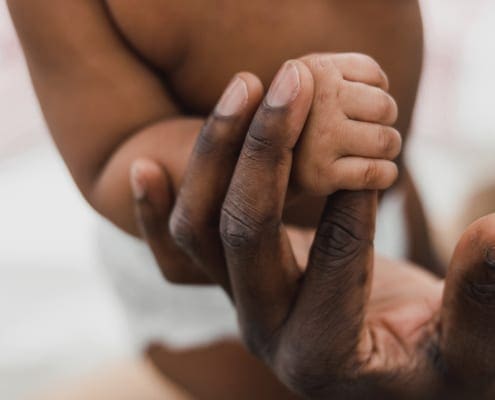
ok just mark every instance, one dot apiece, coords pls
pixel 346 323
pixel 125 79
pixel 122 79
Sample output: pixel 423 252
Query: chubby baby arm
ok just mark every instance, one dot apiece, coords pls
pixel 103 105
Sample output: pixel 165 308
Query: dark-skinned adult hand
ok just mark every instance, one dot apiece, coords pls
pixel 345 141
pixel 347 325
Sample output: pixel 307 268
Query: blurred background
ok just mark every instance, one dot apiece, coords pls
pixel 59 317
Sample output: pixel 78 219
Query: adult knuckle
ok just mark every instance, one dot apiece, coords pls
pixel 481 293
pixel 267 150
pixel 336 242
pixel 258 143
pixel 237 229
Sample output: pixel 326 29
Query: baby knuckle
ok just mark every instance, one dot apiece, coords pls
pixel 371 174
pixel 324 95
pixel 313 61
pixel 388 142
pixel 315 182
pixel 319 61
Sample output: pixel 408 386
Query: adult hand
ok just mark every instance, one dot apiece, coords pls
pixel 341 95
pixel 348 324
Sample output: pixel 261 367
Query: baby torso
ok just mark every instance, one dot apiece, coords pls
pixel 196 46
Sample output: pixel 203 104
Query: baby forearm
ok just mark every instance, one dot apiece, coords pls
pixel 168 142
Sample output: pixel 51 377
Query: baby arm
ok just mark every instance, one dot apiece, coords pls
pixel 104 107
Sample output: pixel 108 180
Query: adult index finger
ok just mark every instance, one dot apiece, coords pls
pixel 261 265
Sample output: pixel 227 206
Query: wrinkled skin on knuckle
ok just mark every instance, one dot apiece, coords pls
pixel 482 294
pixel 239 229
pixel 319 62
pixel 268 139
pixel 323 65
pixel 477 281
pixel 234 232
pixel 337 244
pixel 260 149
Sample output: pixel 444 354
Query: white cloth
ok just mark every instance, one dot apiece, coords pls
pixel 185 316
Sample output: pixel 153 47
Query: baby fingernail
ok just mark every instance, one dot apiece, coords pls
pixel 138 185
pixel 285 86
pixel 233 99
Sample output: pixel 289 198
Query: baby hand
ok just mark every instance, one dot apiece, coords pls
pixel 348 141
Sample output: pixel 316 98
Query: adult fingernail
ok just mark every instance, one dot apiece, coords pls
pixel 285 86
pixel 138 185
pixel 490 257
pixel 233 99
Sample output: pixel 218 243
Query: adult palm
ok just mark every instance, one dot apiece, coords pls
pixel 348 324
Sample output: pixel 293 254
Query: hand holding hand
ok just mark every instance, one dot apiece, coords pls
pixel 348 324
